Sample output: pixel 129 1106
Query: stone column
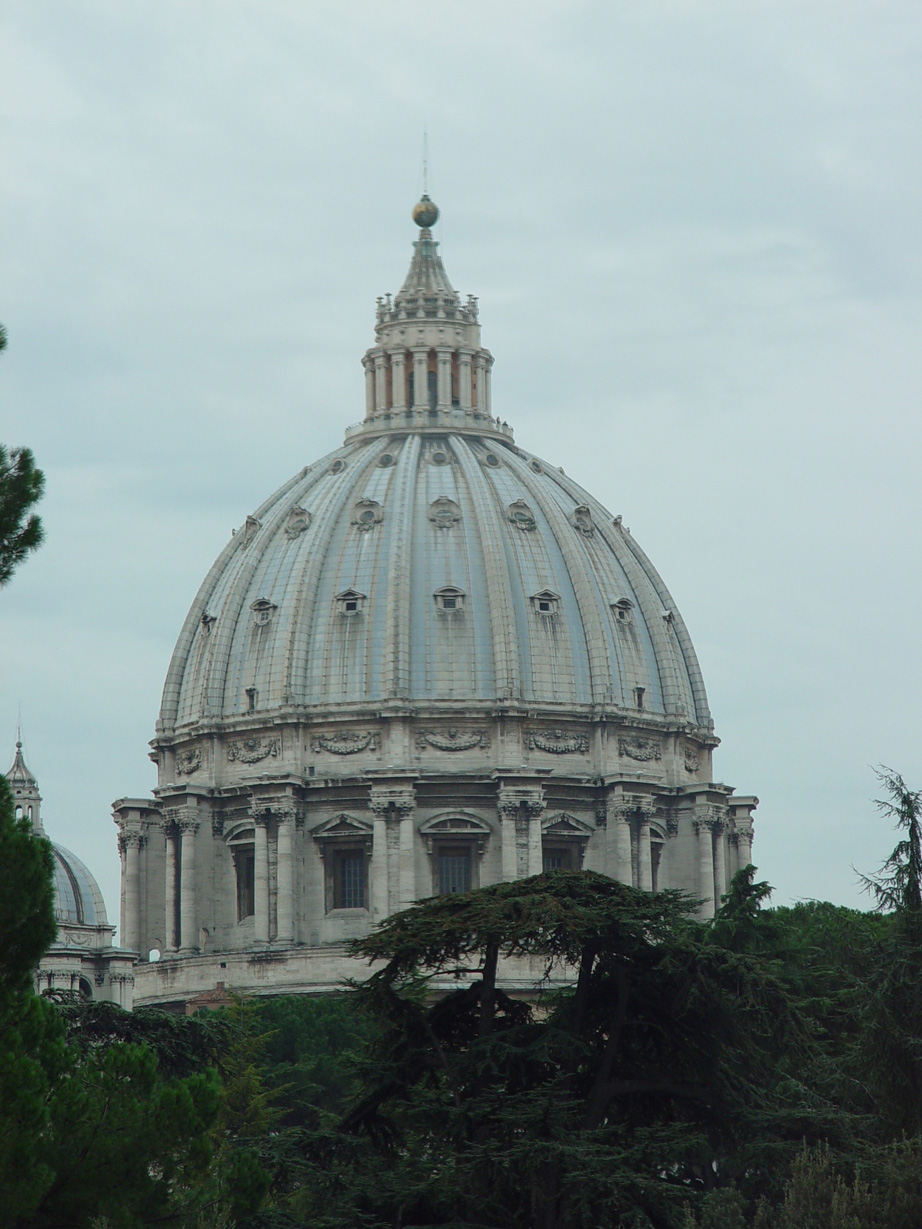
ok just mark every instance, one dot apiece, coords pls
pixel 705 866
pixel 188 941
pixel 261 880
pixel 644 855
pixel 393 804
pixel 481 383
pixel 535 842
pixel 744 844
pixel 170 937
pixel 465 358
pixel 421 380
pixel 369 387
pixel 398 380
pixel 380 382
pixel 509 813
pixel 619 843
pixel 404 808
pixel 720 865
pixel 132 935
pixel 444 379
pixel 379 893
pixel 487 387
pixel 285 902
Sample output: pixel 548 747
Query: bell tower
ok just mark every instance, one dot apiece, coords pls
pixel 27 801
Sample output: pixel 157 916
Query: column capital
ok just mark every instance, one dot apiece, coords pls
pixel 401 799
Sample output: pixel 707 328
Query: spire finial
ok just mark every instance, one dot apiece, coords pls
pixel 425 211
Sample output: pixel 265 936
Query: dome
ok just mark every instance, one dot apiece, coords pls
pixel 77 898
pixel 432 567
pixel 429 662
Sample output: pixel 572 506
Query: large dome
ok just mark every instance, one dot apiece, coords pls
pixel 430 661
pixel 435 567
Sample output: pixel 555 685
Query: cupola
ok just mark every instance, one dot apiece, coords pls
pixel 427 369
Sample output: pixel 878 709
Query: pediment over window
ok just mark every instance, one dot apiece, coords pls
pixel 566 827
pixel 455 827
pixel 342 827
pixel 350 602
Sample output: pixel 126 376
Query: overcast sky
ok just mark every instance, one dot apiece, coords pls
pixel 696 234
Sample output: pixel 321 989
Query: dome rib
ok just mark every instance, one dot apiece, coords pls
pixel 506 659
pixel 397 676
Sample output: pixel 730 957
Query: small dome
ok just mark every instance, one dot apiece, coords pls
pixel 425 212
pixel 78 900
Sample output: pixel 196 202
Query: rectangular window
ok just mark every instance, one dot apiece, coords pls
pixel 454 866
pixel 245 865
pixel 349 879
pixel 559 858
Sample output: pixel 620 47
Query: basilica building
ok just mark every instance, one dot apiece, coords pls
pixel 429 662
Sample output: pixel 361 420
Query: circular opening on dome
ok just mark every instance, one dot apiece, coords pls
pixel 385 460
pixel 367 516
pixel 440 458
pixel 536 467
pixel 491 458
pixel 337 467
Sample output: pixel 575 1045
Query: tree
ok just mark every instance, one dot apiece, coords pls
pixel 897 887
pixel 613 1100
pixel 22 485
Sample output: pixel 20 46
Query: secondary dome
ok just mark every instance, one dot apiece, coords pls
pixel 77 898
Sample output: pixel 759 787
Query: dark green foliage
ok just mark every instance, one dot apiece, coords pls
pixel 22 485
pixel 604 1104
pixel 27 924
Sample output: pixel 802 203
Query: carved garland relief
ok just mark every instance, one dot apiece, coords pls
pixel 641 749
pixel 252 750
pixel 188 761
pixel 452 739
pixel 346 744
pixel 557 742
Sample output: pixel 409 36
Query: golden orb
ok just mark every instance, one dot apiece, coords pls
pixel 425 212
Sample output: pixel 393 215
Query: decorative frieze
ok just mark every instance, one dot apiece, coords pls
pixel 452 739
pixel 557 742
pixel 252 750
pixel 641 749
pixel 348 743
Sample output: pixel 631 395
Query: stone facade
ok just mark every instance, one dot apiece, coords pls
pixel 429 662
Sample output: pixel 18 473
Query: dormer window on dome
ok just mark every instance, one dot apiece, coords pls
pixel 263 610
pixel 350 602
pixel 546 604
pixel 624 610
pixel 449 600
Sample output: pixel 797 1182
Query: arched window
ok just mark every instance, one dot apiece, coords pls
pixel 455 844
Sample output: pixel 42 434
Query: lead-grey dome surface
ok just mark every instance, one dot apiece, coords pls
pixel 77 898
pixel 333 593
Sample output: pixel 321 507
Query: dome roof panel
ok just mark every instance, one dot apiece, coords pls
pixel 78 900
